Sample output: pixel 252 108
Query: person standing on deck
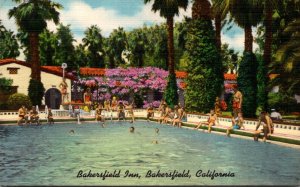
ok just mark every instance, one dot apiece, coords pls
pixel 237 101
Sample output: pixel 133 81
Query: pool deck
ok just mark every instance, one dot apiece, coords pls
pixel 281 135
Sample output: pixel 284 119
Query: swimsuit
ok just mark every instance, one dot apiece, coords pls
pixel 87 98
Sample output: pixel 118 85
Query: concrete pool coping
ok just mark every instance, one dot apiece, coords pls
pixel 221 130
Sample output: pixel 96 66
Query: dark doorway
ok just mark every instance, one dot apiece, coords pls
pixel 53 98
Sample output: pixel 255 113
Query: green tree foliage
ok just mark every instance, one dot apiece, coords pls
pixel 65 52
pixel 171 95
pixel 115 45
pixel 137 41
pixel 247 83
pixel 287 60
pixel 36 92
pixel 94 43
pixel 157 48
pixel 16 100
pixel 262 90
pixel 81 56
pixel 283 102
pixel 205 76
pixel 5 84
pixel 23 38
pixel 168 9
pixel 31 17
pixel 9 47
pixel 229 58
pixel 48 46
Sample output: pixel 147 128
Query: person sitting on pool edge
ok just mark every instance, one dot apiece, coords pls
pixel 175 115
pixel 237 123
pixel 130 112
pixel 98 116
pixel 107 105
pixel 266 121
pixel 50 116
pixel 162 110
pixel 181 117
pixel 121 113
pixel 167 115
pixel 150 112
pixel 114 104
pixel 34 116
pixel 211 121
pixel 22 115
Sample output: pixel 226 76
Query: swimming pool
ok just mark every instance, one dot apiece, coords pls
pixel 51 155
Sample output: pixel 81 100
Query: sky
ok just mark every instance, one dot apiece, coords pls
pixel 111 14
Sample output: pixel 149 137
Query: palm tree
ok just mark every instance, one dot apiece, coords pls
pixel 115 44
pixel 31 17
pixel 246 14
pixel 219 13
pixel 201 9
pixel 168 9
pixel 93 40
pixel 268 33
pixel 287 60
pixel 8 43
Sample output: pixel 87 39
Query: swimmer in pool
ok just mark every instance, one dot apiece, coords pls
pixel 72 131
pixel 155 142
pixel 131 129
pixel 156 130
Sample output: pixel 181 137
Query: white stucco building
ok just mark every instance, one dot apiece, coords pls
pixel 51 77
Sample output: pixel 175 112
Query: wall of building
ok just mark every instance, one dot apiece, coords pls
pixel 21 79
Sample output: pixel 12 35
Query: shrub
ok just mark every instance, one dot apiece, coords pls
pixel 262 92
pixel 205 75
pixel 282 102
pixel 3 106
pixel 247 83
pixel 5 84
pixel 171 95
pixel 36 92
pixel 16 100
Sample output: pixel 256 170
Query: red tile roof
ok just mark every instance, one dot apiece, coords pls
pixel 56 70
pixel 92 71
pixel 229 76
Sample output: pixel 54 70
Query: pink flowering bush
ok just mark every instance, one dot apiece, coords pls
pixel 121 82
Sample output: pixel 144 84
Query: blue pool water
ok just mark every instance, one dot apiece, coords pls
pixel 50 155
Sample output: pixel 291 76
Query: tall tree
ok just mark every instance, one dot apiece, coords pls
pixel 137 41
pixel 219 13
pixel 205 75
pixel 287 60
pixel 31 17
pixel 65 52
pixel 115 45
pixel 247 14
pixel 81 56
pixel 48 47
pixel 159 44
pixel 9 47
pixel 168 9
pixel 94 43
